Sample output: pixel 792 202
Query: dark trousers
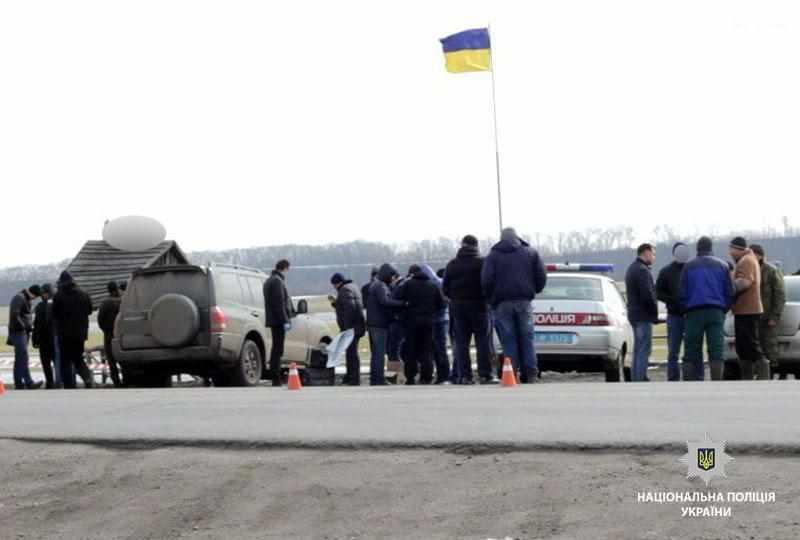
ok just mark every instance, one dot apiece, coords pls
pixel 420 341
pixel 440 331
pixel 470 320
pixel 112 365
pixel 353 377
pixel 377 366
pixel 72 360
pixel 395 341
pixel 47 356
pixel 276 352
pixel 748 347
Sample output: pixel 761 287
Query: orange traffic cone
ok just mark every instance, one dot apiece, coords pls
pixel 2 387
pixel 508 373
pixel 294 378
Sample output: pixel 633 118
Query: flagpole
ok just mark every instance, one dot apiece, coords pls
pixel 496 144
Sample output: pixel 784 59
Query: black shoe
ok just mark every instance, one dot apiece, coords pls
pixel 34 386
pixel 380 383
pixel 276 382
pixel 489 380
pixel 411 382
pixel 428 381
pixel 443 381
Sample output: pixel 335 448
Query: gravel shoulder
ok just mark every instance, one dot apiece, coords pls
pixel 69 491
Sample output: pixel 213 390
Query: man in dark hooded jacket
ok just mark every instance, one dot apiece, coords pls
pixel 424 301
pixel 668 290
pixel 106 316
pixel 71 310
pixel 511 277
pixel 350 316
pixel 469 313
pixel 381 309
pixel 43 338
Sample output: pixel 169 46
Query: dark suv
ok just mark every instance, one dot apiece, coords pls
pixel 205 321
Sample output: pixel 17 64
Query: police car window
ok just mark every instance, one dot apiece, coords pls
pixel 792 290
pixel 572 288
pixel 228 288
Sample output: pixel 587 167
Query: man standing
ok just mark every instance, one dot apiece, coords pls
pixel 469 313
pixel 106 316
pixel 350 316
pixel 773 300
pixel 424 301
pixel 642 309
pixel 278 315
pixel 20 326
pixel 668 291
pixel 441 328
pixel 747 311
pixel 511 277
pixel 381 308
pixel 71 310
pixel 43 338
pixel 706 293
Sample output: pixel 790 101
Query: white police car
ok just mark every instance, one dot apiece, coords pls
pixel 581 322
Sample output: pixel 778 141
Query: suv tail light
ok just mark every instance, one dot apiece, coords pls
pixel 218 320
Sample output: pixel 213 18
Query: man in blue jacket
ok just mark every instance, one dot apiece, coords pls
pixel 381 309
pixel 511 277
pixel 642 309
pixel 707 292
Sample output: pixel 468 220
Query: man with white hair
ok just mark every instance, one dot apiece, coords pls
pixel 668 287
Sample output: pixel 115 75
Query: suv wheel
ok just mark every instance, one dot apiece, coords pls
pixel 613 374
pixel 247 371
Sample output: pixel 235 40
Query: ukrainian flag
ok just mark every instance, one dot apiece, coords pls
pixel 467 51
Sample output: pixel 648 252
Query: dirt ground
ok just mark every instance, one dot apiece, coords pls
pixel 62 491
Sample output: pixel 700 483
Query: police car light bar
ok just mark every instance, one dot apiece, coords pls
pixel 572 267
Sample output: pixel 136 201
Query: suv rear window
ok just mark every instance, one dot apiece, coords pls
pixel 792 289
pixel 145 289
pixel 572 288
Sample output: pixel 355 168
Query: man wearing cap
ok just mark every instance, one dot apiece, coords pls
pixel 106 317
pixel 773 300
pixel 71 310
pixel 706 294
pixel 350 316
pixel 747 311
pixel 469 313
pixel 668 291
pixel 511 277
pixel 381 309
pixel 20 326
pixel 43 339
pixel 642 309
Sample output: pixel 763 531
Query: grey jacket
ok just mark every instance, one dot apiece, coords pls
pixel 350 308
pixel 19 314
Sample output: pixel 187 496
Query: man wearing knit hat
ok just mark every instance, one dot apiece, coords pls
pixel 350 316
pixel 747 312
pixel 706 294
pixel 668 291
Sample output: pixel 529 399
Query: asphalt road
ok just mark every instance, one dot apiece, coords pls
pixel 755 416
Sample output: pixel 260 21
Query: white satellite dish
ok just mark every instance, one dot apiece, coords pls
pixel 134 233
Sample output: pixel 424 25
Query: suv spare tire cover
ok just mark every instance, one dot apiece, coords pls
pixel 174 320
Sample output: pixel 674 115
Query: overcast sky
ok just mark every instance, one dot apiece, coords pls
pixel 239 124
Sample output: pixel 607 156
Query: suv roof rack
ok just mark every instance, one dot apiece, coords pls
pixel 236 267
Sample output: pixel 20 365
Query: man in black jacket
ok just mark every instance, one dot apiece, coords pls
pixel 668 290
pixel 424 301
pixel 71 310
pixel 278 316
pixel 381 311
pixel 350 316
pixel 469 313
pixel 106 316
pixel 642 308
pixel 43 337
pixel 20 326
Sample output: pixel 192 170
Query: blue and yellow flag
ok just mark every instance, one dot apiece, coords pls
pixel 467 51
